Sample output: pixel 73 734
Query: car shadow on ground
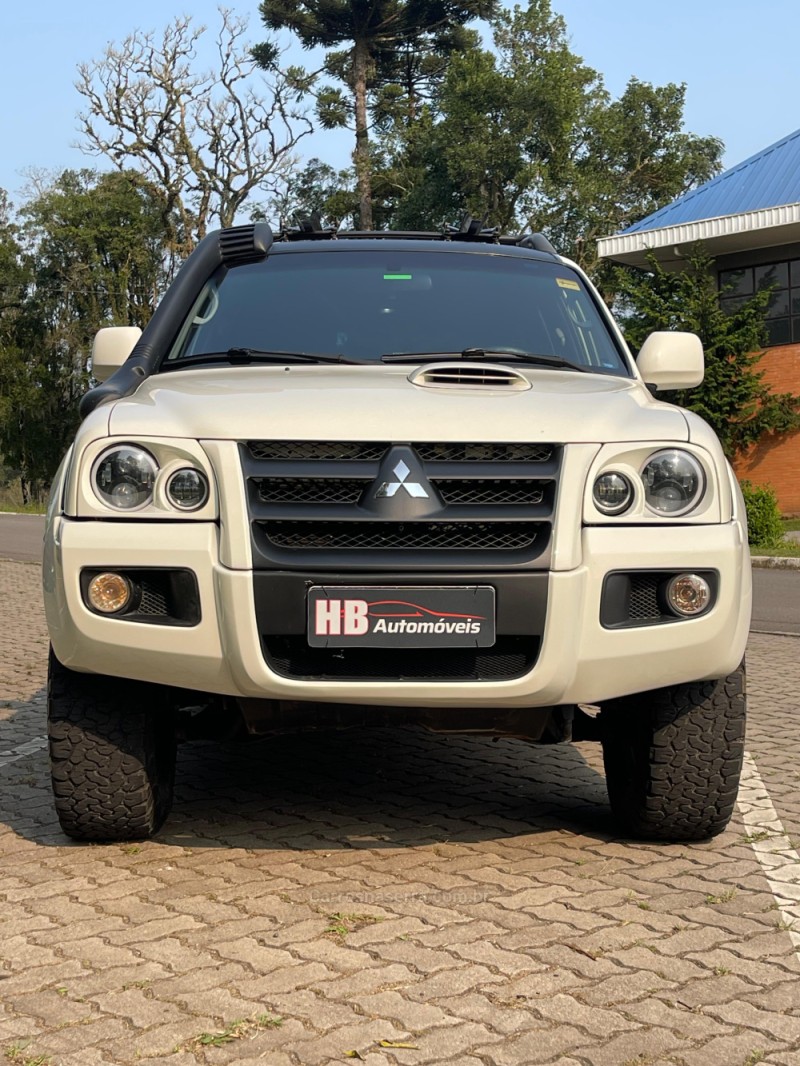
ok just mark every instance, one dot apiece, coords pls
pixel 366 789
pixel 383 788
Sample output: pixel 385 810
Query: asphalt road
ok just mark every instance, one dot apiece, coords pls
pixel 776 593
pixel 21 537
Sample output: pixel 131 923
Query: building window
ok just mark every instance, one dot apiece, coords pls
pixel 783 312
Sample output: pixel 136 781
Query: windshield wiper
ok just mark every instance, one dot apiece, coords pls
pixel 512 354
pixel 246 356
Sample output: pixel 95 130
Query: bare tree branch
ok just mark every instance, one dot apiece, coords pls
pixel 208 140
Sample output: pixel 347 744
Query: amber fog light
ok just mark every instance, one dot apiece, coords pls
pixel 688 594
pixel 109 593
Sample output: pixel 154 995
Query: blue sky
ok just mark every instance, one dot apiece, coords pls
pixel 739 60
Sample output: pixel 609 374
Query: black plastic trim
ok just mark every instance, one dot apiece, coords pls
pixel 280 596
pixel 615 597
pixel 179 587
pixel 432 510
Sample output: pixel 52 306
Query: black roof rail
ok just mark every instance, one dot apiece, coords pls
pixel 537 241
pixel 310 228
pixel 473 229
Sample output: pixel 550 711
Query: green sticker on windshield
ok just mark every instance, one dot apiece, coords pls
pixel 397 277
pixel 567 283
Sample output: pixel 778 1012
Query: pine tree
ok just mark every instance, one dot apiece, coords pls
pixel 733 398
pixel 380 34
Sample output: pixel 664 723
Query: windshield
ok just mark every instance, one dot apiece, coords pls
pixel 362 305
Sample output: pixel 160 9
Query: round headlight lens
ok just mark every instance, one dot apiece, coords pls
pixel 124 477
pixel 187 489
pixel 673 482
pixel 688 594
pixel 612 493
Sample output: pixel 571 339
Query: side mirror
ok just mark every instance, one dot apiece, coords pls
pixel 111 348
pixel 671 360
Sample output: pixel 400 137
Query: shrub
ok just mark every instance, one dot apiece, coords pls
pixel 763 517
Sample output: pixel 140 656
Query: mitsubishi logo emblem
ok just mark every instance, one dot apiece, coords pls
pixel 401 472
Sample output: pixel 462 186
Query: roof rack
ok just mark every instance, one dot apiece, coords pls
pixel 309 227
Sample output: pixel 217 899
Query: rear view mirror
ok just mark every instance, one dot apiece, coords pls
pixel 671 360
pixel 111 348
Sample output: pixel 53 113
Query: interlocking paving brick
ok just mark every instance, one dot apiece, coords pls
pixel 513 926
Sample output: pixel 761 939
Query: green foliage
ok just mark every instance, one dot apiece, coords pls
pixel 733 398
pixel 764 525
pixel 89 254
pixel 396 49
pixel 527 135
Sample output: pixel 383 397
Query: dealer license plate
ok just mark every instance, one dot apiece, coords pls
pixel 393 617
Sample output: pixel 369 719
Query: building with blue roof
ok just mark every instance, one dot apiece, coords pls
pixel 748 220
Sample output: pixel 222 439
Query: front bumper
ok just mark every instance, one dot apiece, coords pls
pixel 579 661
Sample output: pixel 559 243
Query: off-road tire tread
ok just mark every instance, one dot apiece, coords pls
pixel 673 758
pixel 112 755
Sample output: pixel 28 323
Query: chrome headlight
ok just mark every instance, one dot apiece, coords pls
pixel 187 489
pixel 124 477
pixel 612 493
pixel 673 481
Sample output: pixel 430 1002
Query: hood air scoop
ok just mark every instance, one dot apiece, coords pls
pixel 462 375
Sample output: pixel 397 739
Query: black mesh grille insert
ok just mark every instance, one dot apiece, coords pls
pixel 511 656
pixel 643 598
pixel 389 536
pixel 489 491
pixel 309 450
pixel 311 490
pixel 153 599
pixel 484 453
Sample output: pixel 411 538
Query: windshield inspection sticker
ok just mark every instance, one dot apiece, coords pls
pixel 567 283
pixel 429 617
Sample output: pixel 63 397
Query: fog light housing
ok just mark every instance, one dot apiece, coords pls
pixel 109 593
pixel 688 594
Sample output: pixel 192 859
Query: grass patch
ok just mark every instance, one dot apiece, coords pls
pixel 786 549
pixel 755 838
pixel 756 1055
pixel 238 1030
pixel 341 924
pixel 723 897
pixel 790 524
pixel 23 508
pixel 16 1053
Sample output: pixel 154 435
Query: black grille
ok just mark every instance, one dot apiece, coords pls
pixel 489 491
pixel 484 453
pixel 511 656
pixel 311 490
pixel 643 597
pixel 153 599
pixel 389 536
pixel 310 450
pixel 325 498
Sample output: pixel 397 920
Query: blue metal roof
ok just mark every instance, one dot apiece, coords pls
pixel 770 178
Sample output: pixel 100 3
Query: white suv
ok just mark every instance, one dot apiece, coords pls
pixel 374 478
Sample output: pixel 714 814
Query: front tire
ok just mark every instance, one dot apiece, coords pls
pixel 112 754
pixel 673 758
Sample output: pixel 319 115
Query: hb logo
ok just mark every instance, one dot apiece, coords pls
pixel 341 618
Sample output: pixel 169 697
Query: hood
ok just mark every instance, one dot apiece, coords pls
pixel 380 403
